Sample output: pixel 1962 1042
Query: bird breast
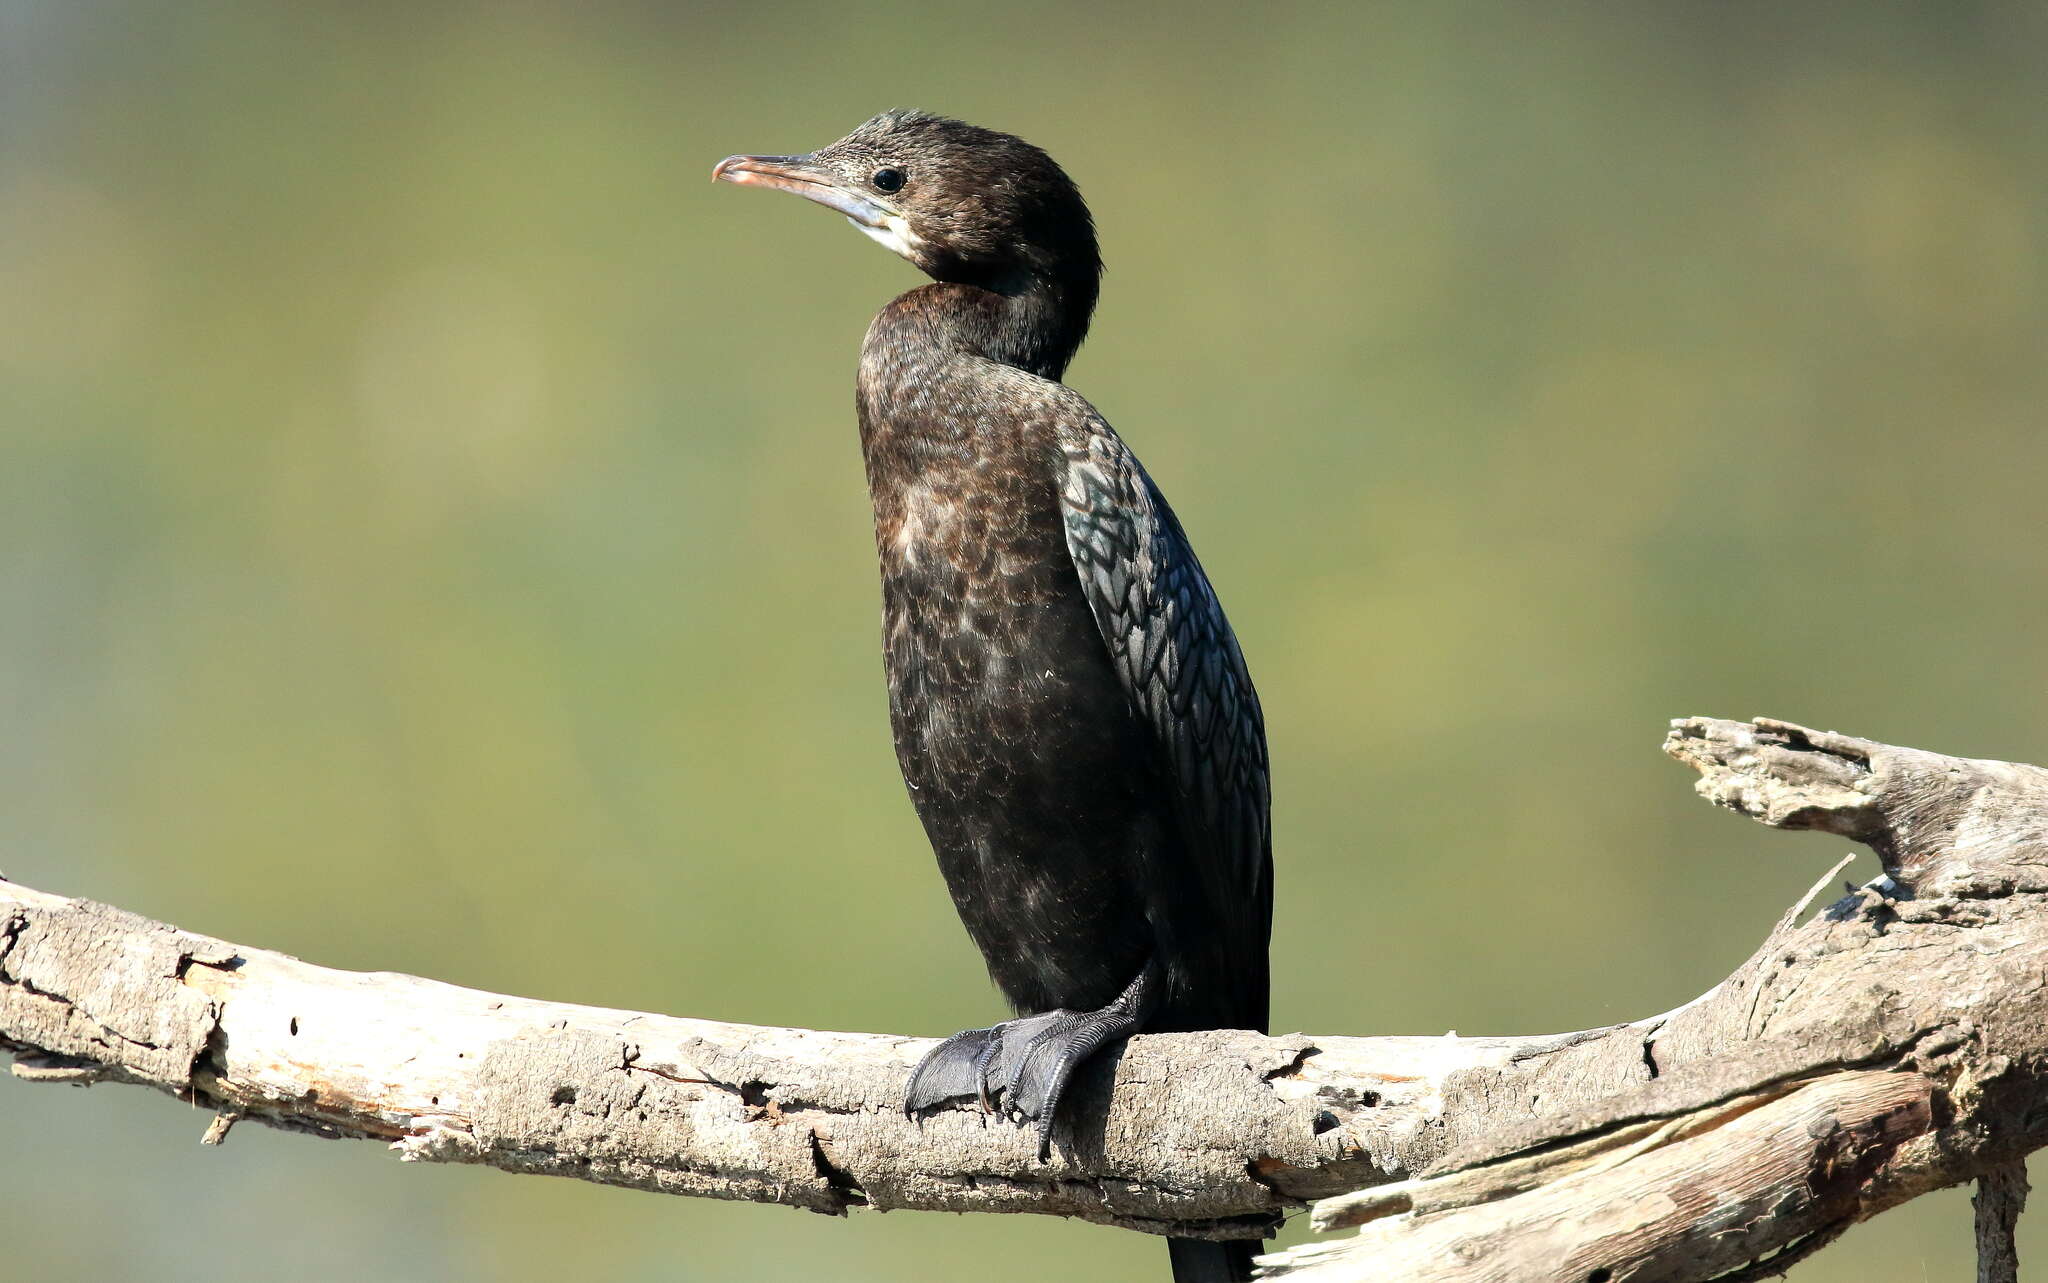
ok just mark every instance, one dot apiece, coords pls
pixel 984 630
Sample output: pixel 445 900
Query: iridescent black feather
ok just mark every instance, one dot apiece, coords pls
pixel 1181 667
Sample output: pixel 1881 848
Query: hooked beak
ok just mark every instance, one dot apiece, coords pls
pixel 812 182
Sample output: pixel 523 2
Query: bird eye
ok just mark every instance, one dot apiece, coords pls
pixel 888 180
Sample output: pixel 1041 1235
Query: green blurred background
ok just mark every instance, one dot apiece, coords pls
pixel 432 534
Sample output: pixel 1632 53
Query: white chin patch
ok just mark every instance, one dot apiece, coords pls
pixel 894 234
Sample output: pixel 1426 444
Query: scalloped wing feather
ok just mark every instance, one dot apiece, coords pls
pixel 1179 663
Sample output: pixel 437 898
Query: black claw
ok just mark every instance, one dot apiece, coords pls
pixel 1054 1056
pixel 1027 1062
pixel 1031 1040
pixel 990 1050
pixel 951 1070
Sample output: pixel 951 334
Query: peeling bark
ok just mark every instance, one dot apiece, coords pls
pixel 1895 1043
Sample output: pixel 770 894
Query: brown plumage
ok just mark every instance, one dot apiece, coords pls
pixel 1071 712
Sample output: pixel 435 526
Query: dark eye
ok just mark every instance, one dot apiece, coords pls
pixel 888 180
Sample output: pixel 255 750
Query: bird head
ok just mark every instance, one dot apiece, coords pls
pixel 959 202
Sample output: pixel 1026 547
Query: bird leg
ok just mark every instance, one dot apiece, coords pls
pixel 1030 1060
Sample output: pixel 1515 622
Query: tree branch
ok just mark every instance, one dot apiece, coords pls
pixel 2001 1197
pixel 1894 1044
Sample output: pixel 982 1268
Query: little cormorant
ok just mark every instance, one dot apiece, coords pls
pixel 1071 712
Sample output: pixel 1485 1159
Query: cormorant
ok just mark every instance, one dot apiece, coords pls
pixel 1071 712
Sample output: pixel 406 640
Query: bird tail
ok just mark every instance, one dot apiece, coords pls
pixel 1198 1260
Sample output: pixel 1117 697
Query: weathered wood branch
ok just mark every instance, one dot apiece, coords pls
pixel 2001 1197
pixel 1895 1044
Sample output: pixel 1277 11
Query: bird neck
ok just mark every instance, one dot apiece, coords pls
pixel 1034 321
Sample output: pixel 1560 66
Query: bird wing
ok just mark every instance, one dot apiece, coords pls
pixel 1179 663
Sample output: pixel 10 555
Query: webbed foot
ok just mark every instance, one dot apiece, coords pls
pixel 1028 1061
